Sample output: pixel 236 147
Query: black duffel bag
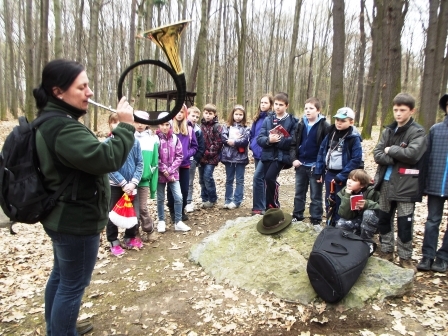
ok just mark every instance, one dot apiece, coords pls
pixel 336 261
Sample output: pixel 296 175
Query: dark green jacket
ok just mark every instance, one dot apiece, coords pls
pixel 369 194
pixel 65 145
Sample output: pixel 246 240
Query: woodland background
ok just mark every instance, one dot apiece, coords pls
pixel 357 53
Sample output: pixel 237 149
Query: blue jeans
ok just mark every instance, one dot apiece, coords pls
pixel 304 177
pixel 435 213
pixel 184 177
pixel 177 194
pixel 74 259
pixel 234 171
pixel 208 186
pixel 259 188
pixel 193 166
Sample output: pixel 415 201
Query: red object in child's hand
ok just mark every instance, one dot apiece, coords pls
pixel 123 214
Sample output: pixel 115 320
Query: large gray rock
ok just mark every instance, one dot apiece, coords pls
pixel 277 263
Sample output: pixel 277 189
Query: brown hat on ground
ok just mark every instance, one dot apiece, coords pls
pixel 274 220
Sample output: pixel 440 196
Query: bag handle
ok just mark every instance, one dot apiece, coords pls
pixel 339 246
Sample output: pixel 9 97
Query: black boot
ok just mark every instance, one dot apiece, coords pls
pixel 439 265
pixel 425 264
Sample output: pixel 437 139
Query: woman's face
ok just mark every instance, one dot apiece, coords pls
pixel 78 93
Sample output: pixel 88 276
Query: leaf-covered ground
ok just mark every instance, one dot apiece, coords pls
pixel 157 291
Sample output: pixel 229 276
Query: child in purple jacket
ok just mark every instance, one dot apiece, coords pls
pixel 170 159
pixel 186 136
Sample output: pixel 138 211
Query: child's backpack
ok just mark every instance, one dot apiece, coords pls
pixel 336 261
pixel 23 196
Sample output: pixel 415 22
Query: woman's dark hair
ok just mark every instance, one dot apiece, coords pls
pixel 59 73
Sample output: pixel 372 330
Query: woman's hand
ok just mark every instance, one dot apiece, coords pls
pixel 125 111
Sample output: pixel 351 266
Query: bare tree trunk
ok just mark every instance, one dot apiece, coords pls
pixel 361 69
pixel 93 53
pixel 240 92
pixel 2 91
pixel 29 57
pixel 434 62
pixel 393 20
pixel 11 91
pixel 79 31
pixel 293 53
pixel 337 60
pixel 202 57
pixel 267 72
pixel 274 87
pixel 43 43
pixel 309 89
pixel 145 50
pixel 217 49
pixel 57 29
pixel 375 69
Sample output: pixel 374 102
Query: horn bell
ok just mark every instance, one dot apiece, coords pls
pixel 167 38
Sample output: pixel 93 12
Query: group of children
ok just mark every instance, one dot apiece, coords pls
pixel 321 154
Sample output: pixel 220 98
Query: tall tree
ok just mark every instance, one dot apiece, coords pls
pixel 241 31
pixel 132 47
pixel 11 93
pixel 57 29
pixel 372 95
pixel 434 62
pixel 293 53
pixel 79 29
pixel 95 6
pixel 217 49
pixel 201 57
pixel 29 73
pixel 337 59
pixel 361 68
pixel 2 87
pixel 393 20
pixel 44 54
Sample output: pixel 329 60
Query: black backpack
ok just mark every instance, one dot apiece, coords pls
pixel 23 196
pixel 336 261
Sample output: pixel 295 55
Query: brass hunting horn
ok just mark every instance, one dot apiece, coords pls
pixel 166 37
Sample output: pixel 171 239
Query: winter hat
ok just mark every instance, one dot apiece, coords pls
pixel 443 101
pixel 142 114
pixel 164 114
pixel 345 112
pixel 274 220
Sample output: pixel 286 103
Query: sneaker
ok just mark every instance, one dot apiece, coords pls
pixel 161 226
pixel 83 327
pixel 425 264
pixel 231 206
pixel 407 263
pixel 189 207
pixel 439 265
pixel 317 228
pixel 133 242
pixel 208 204
pixel 296 220
pixel 181 226
pixel 257 212
pixel 389 256
pixel 225 206
pixel 116 250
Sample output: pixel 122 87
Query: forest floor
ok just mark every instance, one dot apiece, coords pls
pixel 158 291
